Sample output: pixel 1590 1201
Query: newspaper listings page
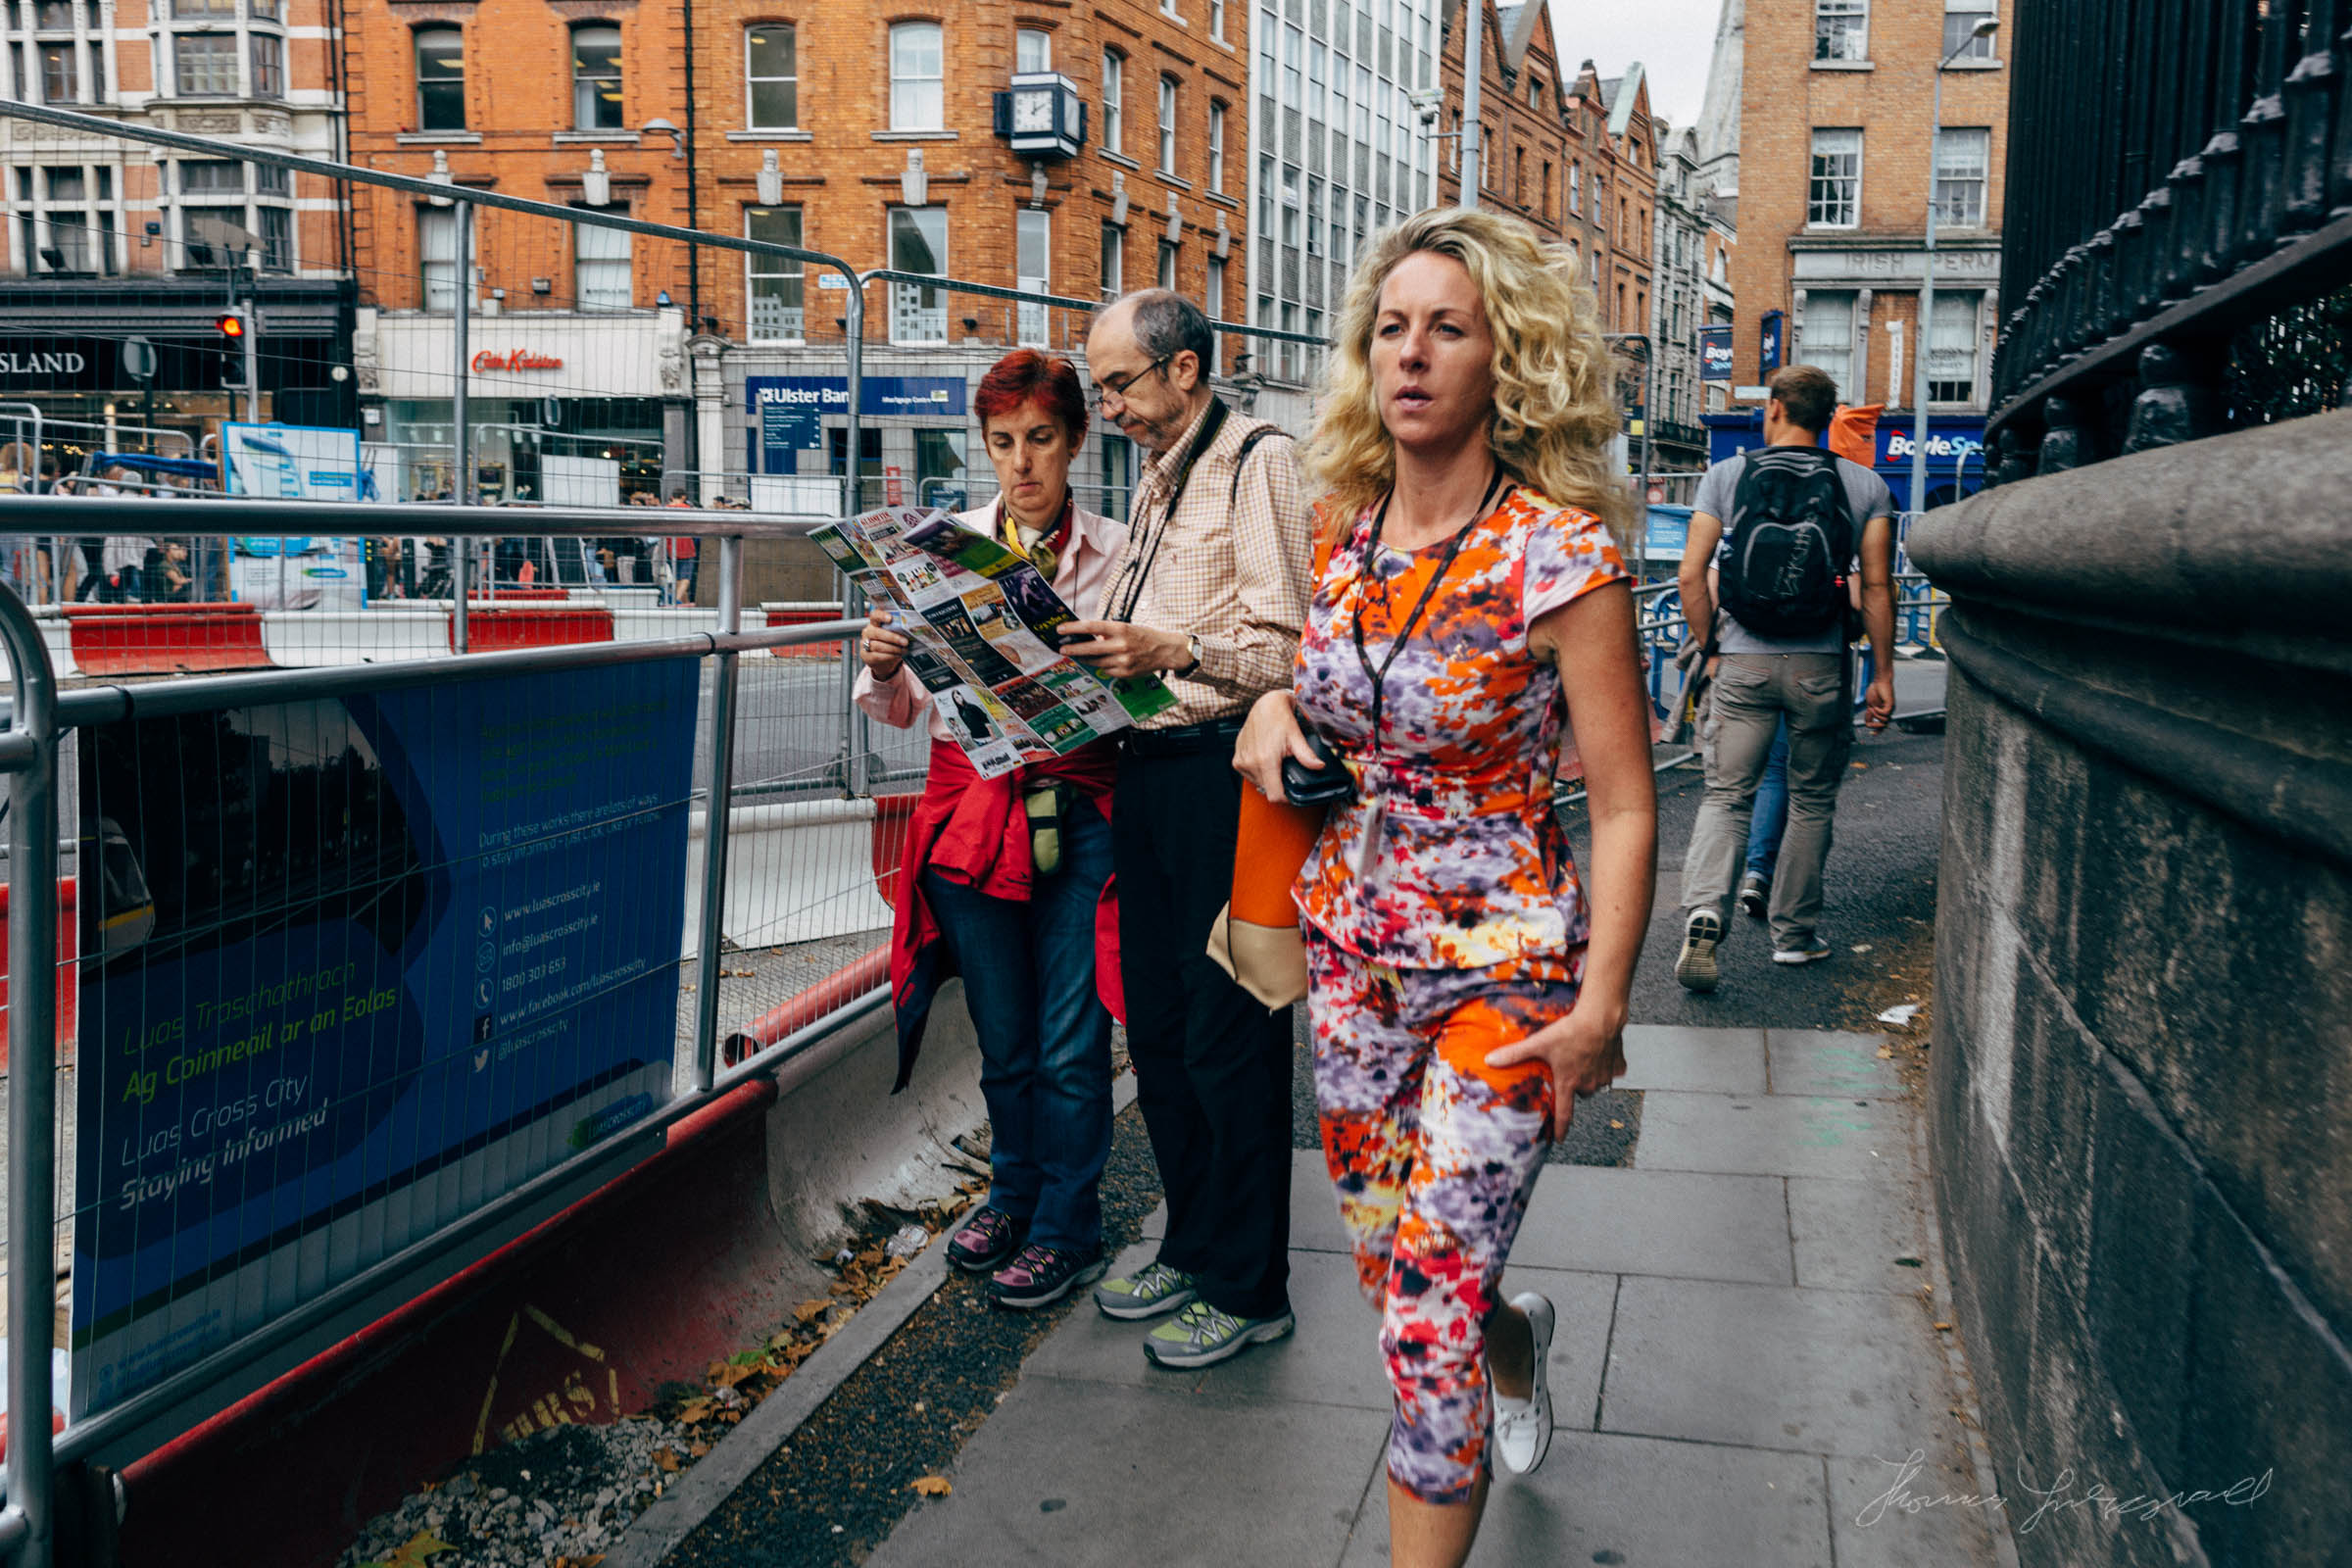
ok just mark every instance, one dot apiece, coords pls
pixel 983 620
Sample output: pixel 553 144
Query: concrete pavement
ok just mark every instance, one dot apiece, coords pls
pixel 1747 1360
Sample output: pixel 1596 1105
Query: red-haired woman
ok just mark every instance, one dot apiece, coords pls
pixel 977 897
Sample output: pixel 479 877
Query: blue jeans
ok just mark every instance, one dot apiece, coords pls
pixel 1772 809
pixel 1045 1038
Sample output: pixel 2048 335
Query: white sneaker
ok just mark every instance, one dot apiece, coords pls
pixel 1523 1427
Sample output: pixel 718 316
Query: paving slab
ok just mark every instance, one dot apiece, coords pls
pixel 1854 1235
pixel 1086 1474
pixel 1829 1062
pixel 1314 1207
pixel 1909 1512
pixel 1853 1373
pixel 1776 1135
pixel 1333 1357
pixel 1603 1497
pixel 1687 1224
pixel 1727 1062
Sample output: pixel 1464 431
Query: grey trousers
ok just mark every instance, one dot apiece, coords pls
pixel 1751 694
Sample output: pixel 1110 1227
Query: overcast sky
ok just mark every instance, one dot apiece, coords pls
pixel 1674 39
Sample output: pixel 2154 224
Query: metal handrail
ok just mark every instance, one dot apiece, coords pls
pixel 161 517
pixel 29 751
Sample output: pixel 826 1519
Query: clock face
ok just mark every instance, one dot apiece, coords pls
pixel 1033 110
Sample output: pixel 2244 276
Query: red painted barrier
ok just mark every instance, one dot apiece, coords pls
pixel 835 991
pixel 645 1281
pixel 69 990
pixel 497 628
pixel 805 618
pixel 156 639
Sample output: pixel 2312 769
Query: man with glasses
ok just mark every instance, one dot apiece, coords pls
pixel 1209 592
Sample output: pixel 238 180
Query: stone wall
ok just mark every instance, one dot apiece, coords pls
pixel 2141 1086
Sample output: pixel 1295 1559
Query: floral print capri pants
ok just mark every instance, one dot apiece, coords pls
pixel 1434 1155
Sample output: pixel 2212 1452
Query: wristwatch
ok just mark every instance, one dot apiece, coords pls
pixel 1192 646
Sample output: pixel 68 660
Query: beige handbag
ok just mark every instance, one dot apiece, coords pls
pixel 1256 938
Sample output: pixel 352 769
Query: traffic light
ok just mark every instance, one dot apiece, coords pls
pixel 240 353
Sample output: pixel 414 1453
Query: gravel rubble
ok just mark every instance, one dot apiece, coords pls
pixel 567 1492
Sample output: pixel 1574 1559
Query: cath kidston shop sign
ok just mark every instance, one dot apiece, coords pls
pixel 515 359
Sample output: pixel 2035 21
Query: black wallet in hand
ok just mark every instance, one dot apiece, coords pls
pixel 1329 785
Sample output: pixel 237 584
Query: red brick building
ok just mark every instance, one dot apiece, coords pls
pixel 1574 155
pixel 1627 204
pixel 1834 179
pixel 875 137
pixel 1524 118
pixel 577 334
pixel 868 137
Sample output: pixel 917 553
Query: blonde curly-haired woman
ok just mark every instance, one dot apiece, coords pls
pixel 1464 987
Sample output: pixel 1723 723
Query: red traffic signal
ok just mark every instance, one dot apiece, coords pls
pixel 231 324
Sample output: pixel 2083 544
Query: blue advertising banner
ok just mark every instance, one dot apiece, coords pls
pixel 1715 354
pixel 1769 344
pixel 357 965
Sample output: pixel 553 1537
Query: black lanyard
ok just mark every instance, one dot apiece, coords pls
pixel 1379 677
pixel 1139 562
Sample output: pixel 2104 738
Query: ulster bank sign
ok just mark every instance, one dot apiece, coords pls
pixel 45 365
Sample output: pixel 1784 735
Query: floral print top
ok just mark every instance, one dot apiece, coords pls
pixel 1449 857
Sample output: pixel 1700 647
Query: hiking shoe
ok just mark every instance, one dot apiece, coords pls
pixel 987 1241
pixel 1696 969
pixel 1039 1274
pixel 1755 895
pixel 1811 951
pixel 1523 1427
pixel 1201 1336
pixel 1148 1291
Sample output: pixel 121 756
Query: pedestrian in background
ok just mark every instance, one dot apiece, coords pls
pixel 1786 529
pixel 1209 593
pixel 1472 604
pixel 1002 880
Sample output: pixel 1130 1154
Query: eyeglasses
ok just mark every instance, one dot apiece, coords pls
pixel 1120 389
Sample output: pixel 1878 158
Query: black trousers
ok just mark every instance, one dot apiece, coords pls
pixel 1212 1067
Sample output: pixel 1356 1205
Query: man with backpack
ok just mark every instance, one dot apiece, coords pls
pixel 1784 527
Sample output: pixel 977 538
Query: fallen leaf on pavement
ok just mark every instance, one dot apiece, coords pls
pixel 666 1458
pixel 930 1485
pixel 1617 1124
pixel 412 1552
pixel 810 1311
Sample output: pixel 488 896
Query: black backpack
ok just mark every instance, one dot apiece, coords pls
pixel 1788 542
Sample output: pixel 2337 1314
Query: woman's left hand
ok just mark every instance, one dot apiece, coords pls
pixel 1585 1051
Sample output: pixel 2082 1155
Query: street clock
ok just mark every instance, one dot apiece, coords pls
pixel 1042 114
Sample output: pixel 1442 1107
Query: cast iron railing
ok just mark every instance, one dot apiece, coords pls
pixel 2180 182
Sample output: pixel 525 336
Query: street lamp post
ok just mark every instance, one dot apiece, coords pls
pixel 1983 29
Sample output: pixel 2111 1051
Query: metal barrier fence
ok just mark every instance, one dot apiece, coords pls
pixel 257 859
